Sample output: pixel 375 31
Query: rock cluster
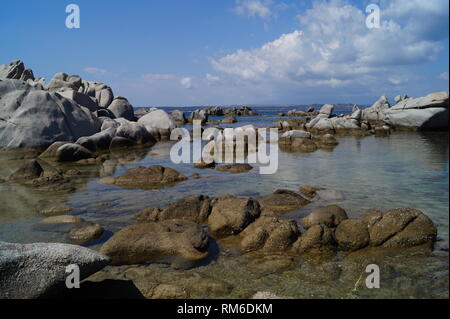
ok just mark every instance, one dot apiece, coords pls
pixel 71 110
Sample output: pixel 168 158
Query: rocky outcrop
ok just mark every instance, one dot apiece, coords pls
pixel 426 113
pixel 147 242
pixel 31 117
pixel 39 270
pixel 376 111
pixel 299 140
pixel 240 111
pixel 151 177
pixel 213 111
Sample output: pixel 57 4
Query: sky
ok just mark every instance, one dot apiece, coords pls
pixel 234 52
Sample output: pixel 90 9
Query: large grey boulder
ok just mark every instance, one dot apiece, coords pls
pixel 120 107
pixel 427 112
pixel 80 98
pixel 377 110
pixel 62 81
pixel 30 117
pixel 39 270
pixel 158 121
pixel 100 91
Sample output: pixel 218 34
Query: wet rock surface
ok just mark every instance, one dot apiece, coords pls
pixel 146 177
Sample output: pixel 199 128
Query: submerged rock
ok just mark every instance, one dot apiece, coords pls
pixel 85 232
pixel 147 242
pixel 39 270
pixel 151 177
pixel 27 171
pixel 195 208
pixel 281 201
pixel 234 168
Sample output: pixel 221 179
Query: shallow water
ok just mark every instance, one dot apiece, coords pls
pixel 406 169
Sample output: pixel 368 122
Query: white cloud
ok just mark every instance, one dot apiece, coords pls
pixel 186 82
pixel 94 70
pixel 333 47
pixel 212 78
pixel 444 76
pixel 254 8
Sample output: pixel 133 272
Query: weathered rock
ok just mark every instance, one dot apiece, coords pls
pixel 199 115
pixel 309 191
pixel 53 209
pixel 71 152
pixel 147 242
pixel 330 216
pixel 195 208
pixel 146 177
pixel 31 117
pixel 12 70
pixel 179 117
pixel 118 142
pixel 402 227
pixel 281 201
pixel 80 98
pixel 240 111
pixel 269 234
pixel 99 141
pixel 85 232
pixel 230 119
pixel 203 165
pixel 120 107
pixel 62 81
pixel 39 270
pixel 147 215
pixel 100 91
pixel 62 219
pixel 426 113
pixel 234 168
pixel 158 120
pixel 230 215
pixel 377 110
pixel 136 132
pixel 352 234
pixel 317 237
pixel 27 171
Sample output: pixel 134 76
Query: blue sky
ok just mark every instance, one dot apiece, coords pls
pixel 216 52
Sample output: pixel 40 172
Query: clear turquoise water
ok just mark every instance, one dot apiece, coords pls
pixel 406 169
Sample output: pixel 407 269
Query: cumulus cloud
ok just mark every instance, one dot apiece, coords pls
pixel 333 47
pixel 186 82
pixel 254 8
